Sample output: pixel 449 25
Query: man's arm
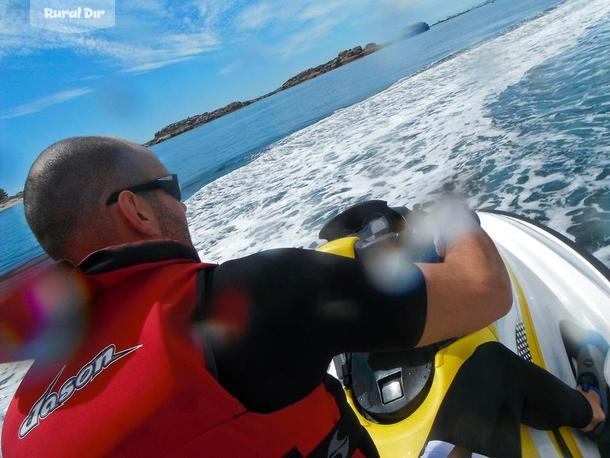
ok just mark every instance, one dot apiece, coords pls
pixel 466 292
pixel 281 315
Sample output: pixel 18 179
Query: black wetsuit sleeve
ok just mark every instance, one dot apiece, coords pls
pixel 285 313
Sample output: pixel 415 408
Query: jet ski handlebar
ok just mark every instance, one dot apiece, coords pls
pixel 380 227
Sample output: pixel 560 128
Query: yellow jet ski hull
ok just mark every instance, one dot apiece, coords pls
pixel 518 331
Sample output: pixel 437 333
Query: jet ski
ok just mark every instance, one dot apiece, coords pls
pixel 556 286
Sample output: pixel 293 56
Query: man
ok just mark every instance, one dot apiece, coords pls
pixel 134 379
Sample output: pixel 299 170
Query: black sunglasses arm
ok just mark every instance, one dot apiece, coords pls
pixel 159 183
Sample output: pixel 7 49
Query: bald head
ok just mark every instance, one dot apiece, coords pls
pixel 68 185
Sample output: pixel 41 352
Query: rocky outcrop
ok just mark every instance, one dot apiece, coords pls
pixel 344 57
pixel 193 121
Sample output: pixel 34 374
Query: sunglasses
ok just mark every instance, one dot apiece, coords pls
pixel 168 183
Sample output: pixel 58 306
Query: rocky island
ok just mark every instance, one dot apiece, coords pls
pixel 344 57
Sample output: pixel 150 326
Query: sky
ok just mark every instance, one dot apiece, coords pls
pixel 165 60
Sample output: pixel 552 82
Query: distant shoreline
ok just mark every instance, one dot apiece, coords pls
pixel 343 58
pixel 10 202
pixel 453 16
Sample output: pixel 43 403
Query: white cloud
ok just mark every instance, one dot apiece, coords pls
pixel 303 40
pixel 317 10
pixel 401 4
pixel 256 16
pixel 278 12
pixel 148 35
pixel 317 19
pixel 228 69
pixel 212 11
pixel 141 68
pixel 151 6
pixel 295 26
pixel 43 102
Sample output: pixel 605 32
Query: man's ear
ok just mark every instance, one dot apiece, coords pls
pixel 138 213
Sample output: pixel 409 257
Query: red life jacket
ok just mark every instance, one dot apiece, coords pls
pixel 137 383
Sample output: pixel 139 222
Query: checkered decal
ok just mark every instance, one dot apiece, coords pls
pixel 523 347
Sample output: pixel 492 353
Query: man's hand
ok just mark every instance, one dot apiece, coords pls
pixel 449 221
pixel 471 288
